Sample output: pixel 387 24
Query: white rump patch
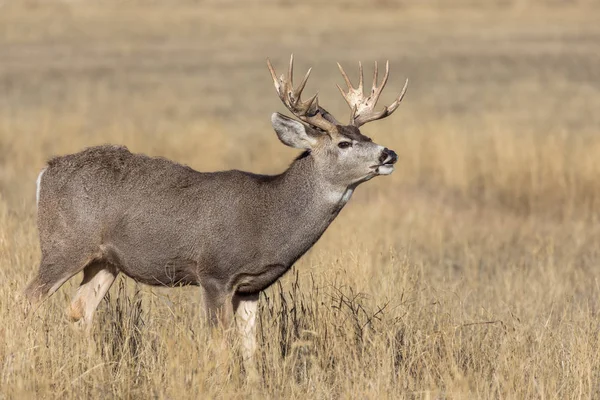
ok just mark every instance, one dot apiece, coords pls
pixel 39 184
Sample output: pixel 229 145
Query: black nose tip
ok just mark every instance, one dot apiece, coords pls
pixel 388 156
pixel 394 156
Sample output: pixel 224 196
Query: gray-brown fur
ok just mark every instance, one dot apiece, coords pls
pixel 106 210
pixel 166 224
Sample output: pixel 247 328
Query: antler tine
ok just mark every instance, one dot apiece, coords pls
pixel 344 95
pixel 386 76
pixel 313 101
pixel 345 77
pixel 396 102
pixel 307 111
pixel 360 77
pixel 300 88
pixel 291 71
pixel 374 78
pixel 276 81
pixel 376 90
pixel 353 95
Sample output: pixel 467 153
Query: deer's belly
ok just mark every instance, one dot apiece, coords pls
pixel 152 268
pixel 170 275
pixel 260 279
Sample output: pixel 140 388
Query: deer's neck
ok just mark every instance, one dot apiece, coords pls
pixel 306 185
pixel 304 203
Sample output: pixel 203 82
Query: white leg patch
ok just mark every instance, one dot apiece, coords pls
pixel 90 294
pixel 246 324
pixel 38 184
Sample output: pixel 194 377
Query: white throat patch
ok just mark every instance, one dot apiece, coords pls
pixel 340 197
pixel 347 195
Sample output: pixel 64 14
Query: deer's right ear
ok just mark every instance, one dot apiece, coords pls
pixel 293 133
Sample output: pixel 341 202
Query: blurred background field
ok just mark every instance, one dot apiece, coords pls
pixel 471 272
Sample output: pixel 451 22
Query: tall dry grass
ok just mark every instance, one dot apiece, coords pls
pixel 471 272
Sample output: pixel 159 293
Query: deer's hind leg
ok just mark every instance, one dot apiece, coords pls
pixel 98 277
pixel 56 267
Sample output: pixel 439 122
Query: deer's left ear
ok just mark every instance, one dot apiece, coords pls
pixel 294 133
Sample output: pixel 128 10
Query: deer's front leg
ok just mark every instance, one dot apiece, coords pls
pixel 245 307
pixel 217 303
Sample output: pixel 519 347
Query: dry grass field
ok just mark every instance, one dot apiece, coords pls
pixel 472 272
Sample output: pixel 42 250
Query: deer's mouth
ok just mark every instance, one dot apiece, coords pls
pixel 384 169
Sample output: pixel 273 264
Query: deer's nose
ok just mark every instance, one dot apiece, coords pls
pixel 388 156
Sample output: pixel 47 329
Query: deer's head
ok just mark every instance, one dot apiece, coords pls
pixel 344 155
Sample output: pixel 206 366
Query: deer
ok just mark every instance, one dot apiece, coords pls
pixel 106 211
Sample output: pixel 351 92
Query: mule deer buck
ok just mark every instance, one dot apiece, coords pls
pixel 105 210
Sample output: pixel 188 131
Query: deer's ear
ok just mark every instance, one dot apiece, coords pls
pixel 293 133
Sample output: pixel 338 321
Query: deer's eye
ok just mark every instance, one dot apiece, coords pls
pixel 344 145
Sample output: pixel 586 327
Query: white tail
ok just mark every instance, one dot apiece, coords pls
pixel 38 184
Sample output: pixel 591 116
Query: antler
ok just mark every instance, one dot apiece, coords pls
pixel 363 108
pixel 307 111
